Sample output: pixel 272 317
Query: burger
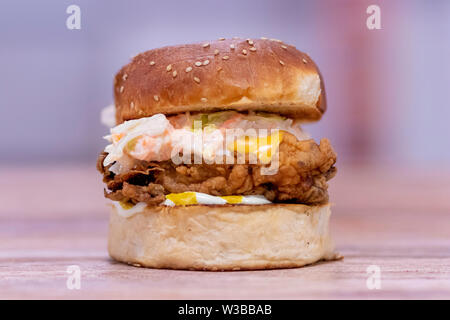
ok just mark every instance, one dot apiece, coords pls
pixel 208 166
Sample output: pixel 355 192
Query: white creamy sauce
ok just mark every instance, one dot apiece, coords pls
pixel 192 198
pixel 126 213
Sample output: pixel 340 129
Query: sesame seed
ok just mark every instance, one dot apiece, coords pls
pixel 305 61
pixel 203 99
pixel 282 63
pixel 169 67
pixel 284 47
pixel 219 68
pixel 252 49
pixel 125 76
pixel 174 74
pixel 221 39
pixel 244 51
pixel 235 38
pixel 225 57
pixel 132 105
pixel 188 69
pixel 156 98
pixel 198 63
pixel 216 52
pixel 232 46
pixel 121 89
pixel 196 79
pixel 152 63
pixel 263 38
pixel 205 45
pixel 250 42
pixel 206 62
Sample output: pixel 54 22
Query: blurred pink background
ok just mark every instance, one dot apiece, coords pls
pixel 388 89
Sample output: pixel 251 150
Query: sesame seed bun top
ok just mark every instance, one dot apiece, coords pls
pixel 227 74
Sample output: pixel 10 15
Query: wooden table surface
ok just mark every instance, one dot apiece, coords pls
pixel 396 219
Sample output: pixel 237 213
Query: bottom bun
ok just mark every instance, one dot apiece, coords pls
pixel 229 237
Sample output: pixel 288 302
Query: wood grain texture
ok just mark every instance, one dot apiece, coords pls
pixel 395 218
